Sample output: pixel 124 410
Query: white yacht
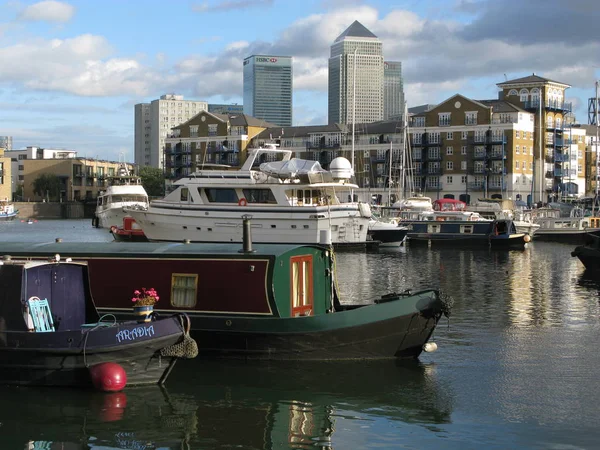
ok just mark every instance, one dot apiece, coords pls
pixel 123 190
pixel 288 201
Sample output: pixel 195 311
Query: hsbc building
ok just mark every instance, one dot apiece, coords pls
pixel 268 88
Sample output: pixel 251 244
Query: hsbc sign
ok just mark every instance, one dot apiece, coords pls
pixel 266 60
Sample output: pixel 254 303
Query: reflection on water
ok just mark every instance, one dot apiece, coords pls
pixel 232 404
pixel 536 286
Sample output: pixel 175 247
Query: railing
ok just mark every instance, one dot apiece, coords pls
pixel 312 146
pixel 549 104
pixel 470 121
pixel 475 185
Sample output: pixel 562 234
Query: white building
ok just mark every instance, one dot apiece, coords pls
pixel 358 52
pixel 18 156
pixel 153 123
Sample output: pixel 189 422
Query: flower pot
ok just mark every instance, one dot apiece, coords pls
pixel 143 313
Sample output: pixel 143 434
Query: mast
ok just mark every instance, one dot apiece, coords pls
pixel 353 114
pixel 390 176
pixel 597 147
pixel 541 168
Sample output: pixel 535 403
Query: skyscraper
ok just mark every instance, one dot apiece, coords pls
pixel 359 51
pixel 393 90
pixel 268 88
pixel 153 122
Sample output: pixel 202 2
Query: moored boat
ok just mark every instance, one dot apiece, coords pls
pixel 129 231
pixel 51 333
pixel 466 233
pixel 589 253
pixel 7 210
pixel 290 201
pixel 276 302
pixel 124 190
pixel 571 230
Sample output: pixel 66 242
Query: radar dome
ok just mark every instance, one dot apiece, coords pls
pixel 341 168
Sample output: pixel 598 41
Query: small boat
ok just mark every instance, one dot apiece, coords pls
pixel 388 234
pixel 123 190
pixel 264 302
pixel 51 333
pixel 589 253
pixel 7 210
pixel 449 230
pixel 130 231
pixel 492 208
pixel 571 230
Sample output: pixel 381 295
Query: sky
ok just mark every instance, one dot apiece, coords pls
pixel 72 71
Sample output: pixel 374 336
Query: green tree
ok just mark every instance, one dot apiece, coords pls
pixel 153 181
pixel 47 186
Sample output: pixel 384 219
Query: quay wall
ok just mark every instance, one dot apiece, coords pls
pixel 54 210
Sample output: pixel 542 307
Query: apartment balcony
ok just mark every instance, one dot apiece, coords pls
pixel 497 155
pixel 177 150
pixel 435 157
pixel 550 105
pixel 479 156
pixel 321 146
pixel 557 173
pixel 470 121
pixel 561 157
pixel 496 139
pixel 433 171
pixel 476 185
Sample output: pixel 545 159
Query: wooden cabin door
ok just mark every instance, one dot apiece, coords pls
pixel 302 285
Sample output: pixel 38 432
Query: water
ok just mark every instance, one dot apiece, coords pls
pixel 516 368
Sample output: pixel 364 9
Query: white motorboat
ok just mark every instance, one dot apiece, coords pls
pixel 288 200
pixel 123 190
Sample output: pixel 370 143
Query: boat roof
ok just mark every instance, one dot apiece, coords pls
pixel 145 249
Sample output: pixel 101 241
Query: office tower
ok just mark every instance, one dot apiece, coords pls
pixel 268 88
pixel 153 123
pixel 358 52
pixel 393 90
pixel 6 142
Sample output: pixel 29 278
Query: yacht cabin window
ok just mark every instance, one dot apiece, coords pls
pixel 311 197
pixel 184 194
pixel 259 196
pixel 221 195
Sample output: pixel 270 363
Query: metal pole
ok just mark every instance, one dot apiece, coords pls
pixel 353 105
pixel 597 143
pixel 541 169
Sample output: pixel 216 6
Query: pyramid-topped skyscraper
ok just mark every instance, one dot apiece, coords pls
pixel 356 67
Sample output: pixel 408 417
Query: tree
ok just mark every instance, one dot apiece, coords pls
pixel 153 181
pixel 47 186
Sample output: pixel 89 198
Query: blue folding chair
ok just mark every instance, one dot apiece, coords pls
pixel 40 313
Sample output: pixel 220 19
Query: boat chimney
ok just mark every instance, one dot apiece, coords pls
pixel 58 240
pixel 247 234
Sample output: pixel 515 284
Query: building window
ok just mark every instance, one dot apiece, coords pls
pixel 463 179
pixel 516 164
pixel 463 150
pixel 444 119
pixel 523 95
pixel 512 92
pixel 480 135
pixel 463 165
pixel 449 165
pixel 471 118
pixel 419 121
pixel 450 135
pixel 184 289
pixel 464 135
pixel 517 149
pixel 517 134
pixel 302 285
pixel 449 151
pixel 449 180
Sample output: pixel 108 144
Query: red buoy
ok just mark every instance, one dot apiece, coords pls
pixel 108 377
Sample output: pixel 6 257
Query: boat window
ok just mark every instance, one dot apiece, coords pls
pixel 259 196
pixel 220 195
pixel 434 228
pixel 302 285
pixel 466 229
pixel 184 288
pixel 184 194
pixel 118 198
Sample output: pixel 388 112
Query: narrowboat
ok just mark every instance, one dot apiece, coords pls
pixel 52 335
pixel 443 230
pixel 269 301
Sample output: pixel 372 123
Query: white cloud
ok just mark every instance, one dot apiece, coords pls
pixel 48 11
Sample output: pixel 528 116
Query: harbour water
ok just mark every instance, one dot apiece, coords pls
pixel 516 367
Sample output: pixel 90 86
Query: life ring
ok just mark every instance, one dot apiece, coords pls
pixel 243 202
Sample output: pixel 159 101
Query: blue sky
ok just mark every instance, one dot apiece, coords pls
pixel 72 71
